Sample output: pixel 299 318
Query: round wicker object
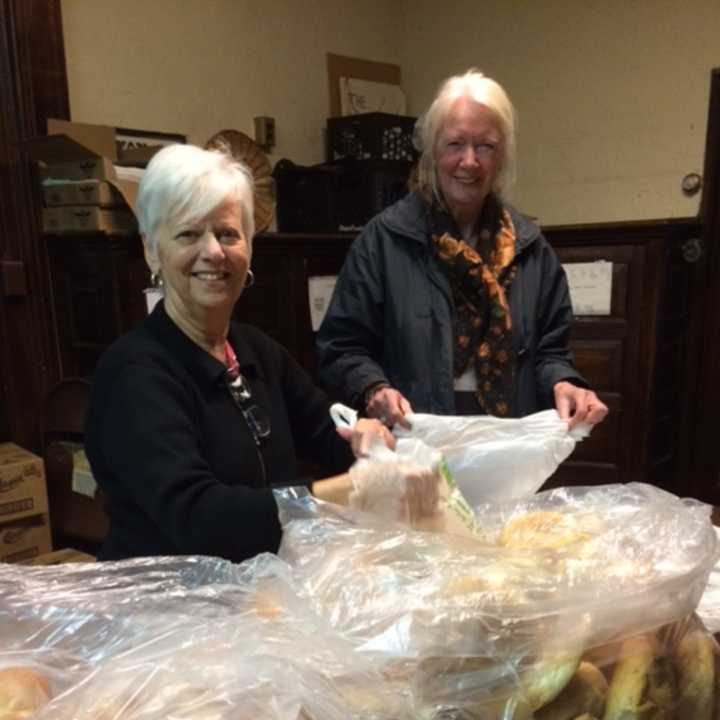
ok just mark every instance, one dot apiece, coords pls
pixel 243 148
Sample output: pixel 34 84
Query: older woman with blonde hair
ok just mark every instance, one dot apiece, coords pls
pixel 193 418
pixel 450 301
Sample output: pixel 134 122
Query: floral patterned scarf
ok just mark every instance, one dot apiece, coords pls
pixel 483 326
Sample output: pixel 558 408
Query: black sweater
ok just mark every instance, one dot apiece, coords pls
pixel 174 455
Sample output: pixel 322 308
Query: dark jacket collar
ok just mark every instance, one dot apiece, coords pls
pixel 407 218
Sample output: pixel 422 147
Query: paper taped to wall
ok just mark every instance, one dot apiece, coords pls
pixel 590 287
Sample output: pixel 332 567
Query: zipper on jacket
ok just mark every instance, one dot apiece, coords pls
pixel 262 463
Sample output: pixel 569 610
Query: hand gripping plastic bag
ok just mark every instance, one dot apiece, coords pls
pixel 410 484
pixel 497 459
pixel 400 485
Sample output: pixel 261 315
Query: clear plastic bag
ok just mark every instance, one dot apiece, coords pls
pixel 185 638
pixel 496 627
pixel 709 608
pixel 362 619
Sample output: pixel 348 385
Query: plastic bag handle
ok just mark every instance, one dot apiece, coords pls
pixel 580 431
pixel 343 416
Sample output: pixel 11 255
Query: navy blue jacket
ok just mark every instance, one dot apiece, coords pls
pixel 391 317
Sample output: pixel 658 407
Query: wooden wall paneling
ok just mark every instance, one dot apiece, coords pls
pixel 675 349
pixel 604 343
pixel 278 301
pixel 623 356
pixel 653 282
pixel 323 258
pixel 98 284
pixel 270 303
pixel 32 87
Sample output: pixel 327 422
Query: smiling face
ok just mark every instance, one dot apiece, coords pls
pixel 468 158
pixel 203 267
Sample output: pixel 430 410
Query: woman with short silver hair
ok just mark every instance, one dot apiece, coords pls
pixel 194 419
pixel 450 301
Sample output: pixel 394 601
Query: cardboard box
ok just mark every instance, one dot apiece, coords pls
pixel 77 151
pixel 24 539
pixel 60 557
pixel 88 218
pixel 84 169
pixel 81 192
pixel 22 483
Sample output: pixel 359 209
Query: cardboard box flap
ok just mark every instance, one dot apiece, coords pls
pixel 53 149
pixel 127 181
pixel 98 139
pixel 10 453
pixel 128 189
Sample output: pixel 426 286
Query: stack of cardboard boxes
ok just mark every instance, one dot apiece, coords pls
pixel 83 190
pixel 24 520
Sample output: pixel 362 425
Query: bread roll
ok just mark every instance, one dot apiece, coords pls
pixel 487 685
pixel 695 664
pixel 629 693
pixel 585 693
pixel 22 692
pixel 548 677
pixel 545 529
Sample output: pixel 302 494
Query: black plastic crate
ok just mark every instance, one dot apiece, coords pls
pixel 305 197
pixel 366 188
pixel 336 197
pixel 371 136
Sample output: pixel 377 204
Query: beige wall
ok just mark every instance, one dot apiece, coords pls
pixel 612 96
pixel 199 66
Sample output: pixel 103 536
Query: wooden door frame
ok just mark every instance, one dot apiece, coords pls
pixel 33 87
pixel 704 397
pixel 698 458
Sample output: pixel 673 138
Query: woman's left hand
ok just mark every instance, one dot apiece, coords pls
pixel 578 405
pixel 366 433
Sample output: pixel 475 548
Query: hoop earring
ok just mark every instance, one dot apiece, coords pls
pixel 249 279
pixel 156 280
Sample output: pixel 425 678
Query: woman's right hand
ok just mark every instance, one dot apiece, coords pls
pixel 366 433
pixel 389 406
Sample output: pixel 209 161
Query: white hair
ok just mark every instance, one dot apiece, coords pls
pixel 480 89
pixel 182 184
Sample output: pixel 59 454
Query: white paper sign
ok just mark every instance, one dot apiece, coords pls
pixel 320 290
pixel 362 96
pixel 590 287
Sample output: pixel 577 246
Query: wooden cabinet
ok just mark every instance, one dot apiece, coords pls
pixel 97 289
pixel 635 357
pixel 278 301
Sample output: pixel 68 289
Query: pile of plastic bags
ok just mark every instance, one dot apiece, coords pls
pixel 570 604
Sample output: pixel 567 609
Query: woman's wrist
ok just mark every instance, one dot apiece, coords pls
pixel 369 392
pixel 335 489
